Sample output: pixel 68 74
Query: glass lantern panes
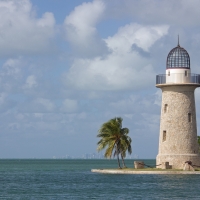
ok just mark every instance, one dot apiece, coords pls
pixel 178 57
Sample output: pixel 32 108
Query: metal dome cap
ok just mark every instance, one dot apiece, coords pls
pixel 178 57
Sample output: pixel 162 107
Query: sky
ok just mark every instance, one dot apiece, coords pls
pixel 66 67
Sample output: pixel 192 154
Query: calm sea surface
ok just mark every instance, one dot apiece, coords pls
pixel 73 179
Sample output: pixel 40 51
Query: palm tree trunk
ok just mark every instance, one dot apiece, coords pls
pixel 117 152
pixel 118 160
pixel 124 165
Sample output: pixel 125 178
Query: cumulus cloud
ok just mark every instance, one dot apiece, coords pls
pixel 158 98
pixel 69 106
pixel 80 29
pixel 30 82
pixel 124 67
pixel 108 77
pixel 141 36
pixel 45 103
pixel 11 75
pixel 21 32
pixel 134 105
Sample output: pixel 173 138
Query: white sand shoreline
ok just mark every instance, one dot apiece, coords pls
pixel 116 171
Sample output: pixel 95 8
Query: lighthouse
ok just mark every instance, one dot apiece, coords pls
pixel 178 127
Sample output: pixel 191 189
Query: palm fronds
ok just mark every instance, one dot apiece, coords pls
pixel 115 139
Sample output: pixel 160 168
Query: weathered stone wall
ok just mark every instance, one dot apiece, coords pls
pixel 178 161
pixel 178 130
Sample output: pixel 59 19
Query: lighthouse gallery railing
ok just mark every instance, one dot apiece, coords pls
pixel 177 78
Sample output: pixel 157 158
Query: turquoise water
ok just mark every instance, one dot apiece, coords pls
pixel 72 179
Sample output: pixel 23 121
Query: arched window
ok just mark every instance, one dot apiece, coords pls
pixel 164 135
pixel 186 73
pixel 189 117
pixel 165 108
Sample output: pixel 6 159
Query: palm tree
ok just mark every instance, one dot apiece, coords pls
pixel 114 138
pixel 125 145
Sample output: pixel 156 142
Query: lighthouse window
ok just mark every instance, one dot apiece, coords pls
pixel 168 73
pixel 189 117
pixel 186 74
pixel 164 135
pixel 165 108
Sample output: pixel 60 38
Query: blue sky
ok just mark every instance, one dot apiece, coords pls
pixel 68 66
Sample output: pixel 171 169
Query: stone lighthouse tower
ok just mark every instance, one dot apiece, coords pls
pixel 178 128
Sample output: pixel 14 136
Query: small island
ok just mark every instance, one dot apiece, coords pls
pixel 144 171
pixel 178 144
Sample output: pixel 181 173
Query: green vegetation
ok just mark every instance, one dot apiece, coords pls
pixel 114 139
pixel 198 139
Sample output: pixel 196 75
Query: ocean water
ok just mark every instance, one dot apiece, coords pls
pixel 73 179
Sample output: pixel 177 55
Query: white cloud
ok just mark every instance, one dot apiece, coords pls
pixel 123 68
pixel 11 75
pixel 12 67
pixel 69 106
pixel 142 36
pixel 110 76
pixel 21 32
pixel 80 28
pixel 30 82
pixel 46 104
pixel 134 105
pixel 158 97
